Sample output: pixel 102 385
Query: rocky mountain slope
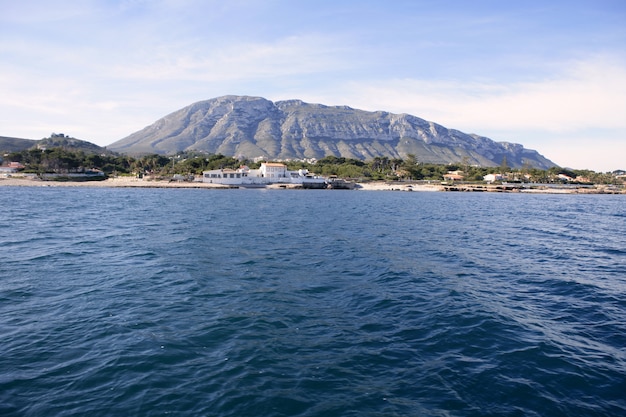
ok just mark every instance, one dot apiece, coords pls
pixel 253 127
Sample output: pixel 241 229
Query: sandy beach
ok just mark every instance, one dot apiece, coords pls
pixel 123 182
pixel 129 182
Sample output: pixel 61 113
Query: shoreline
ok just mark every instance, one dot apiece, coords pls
pixel 119 182
pixel 123 182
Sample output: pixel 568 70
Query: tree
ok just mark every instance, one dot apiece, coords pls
pixel 504 168
pixel 93 161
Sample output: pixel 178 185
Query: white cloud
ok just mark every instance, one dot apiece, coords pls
pixel 584 95
pixel 105 70
pixel 575 117
pixel 294 55
pixel 601 153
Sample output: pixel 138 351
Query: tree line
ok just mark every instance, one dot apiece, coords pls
pixel 62 160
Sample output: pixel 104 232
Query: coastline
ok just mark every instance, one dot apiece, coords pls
pixel 125 182
pixel 119 182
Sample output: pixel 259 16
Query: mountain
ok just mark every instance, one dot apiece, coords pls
pixel 253 126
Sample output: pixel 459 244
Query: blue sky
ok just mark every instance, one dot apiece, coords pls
pixel 550 75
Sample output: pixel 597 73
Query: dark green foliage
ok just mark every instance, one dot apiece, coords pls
pixel 63 160
pixel 339 166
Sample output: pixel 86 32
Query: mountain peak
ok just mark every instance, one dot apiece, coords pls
pixel 251 126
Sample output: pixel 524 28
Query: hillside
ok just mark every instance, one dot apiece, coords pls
pixel 55 140
pixel 253 126
pixel 8 144
pixel 61 140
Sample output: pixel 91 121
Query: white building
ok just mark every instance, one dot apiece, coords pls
pixel 273 170
pixel 226 176
pixel 268 173
pixel 493 177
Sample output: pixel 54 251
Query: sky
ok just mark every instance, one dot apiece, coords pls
pixel 548 74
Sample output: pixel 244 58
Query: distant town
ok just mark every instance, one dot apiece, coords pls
pixel 64 162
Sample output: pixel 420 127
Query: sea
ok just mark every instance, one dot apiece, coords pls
pixel 196 302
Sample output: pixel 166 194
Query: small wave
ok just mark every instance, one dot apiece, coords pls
pixel 354 313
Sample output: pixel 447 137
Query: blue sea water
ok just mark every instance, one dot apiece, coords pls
pixel 154 302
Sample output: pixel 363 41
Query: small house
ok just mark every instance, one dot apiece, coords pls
pixel 493 177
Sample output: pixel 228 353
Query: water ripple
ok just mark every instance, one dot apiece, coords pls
pixel 363 304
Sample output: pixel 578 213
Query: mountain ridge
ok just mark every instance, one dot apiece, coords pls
pixel 250 127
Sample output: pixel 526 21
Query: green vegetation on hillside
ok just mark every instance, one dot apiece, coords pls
pixel 63 160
